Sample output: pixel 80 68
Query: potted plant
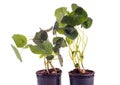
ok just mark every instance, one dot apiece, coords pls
pixel 72 25
pixel 46 50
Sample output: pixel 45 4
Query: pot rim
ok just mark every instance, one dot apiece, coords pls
pixel 49 75
pixel 80 74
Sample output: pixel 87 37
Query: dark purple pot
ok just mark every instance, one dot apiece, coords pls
pixel 45 79
pixel 82 79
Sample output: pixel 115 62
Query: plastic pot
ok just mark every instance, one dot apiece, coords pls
pixel 48 79
pixel 82 79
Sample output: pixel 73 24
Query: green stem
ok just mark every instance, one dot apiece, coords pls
pixel 46 65
pixel 52 67
pixel 70 54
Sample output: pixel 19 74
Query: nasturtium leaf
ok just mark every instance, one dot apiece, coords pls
pixel 81 15
pixel 56 48
pixel 40 37
pixel 16 52
pixel 42 48
pixel 60 13
pixel 68 20
pixel 20 40
pixel 59 40
pixel 55 39
pixel 61 25
pixel 50 57
pixel 87 23
pixel 58 27
pixel 78 19
pixel 36 49
pixel 74 7
pixel 47 47
pixel 71 32
pixel 73 19
pixel 81 11
pixel 60 31
pixel 64 44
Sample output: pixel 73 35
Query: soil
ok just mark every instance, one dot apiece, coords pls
pixel 76 71
pixel 51 72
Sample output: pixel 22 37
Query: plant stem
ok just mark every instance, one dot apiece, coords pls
pixel 46 65
pixel 70 54
pixel 52 67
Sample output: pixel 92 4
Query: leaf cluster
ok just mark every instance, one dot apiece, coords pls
pixel 41 45
pixel 66 21
pixel 72 24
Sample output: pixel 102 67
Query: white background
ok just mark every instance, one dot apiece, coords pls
pixel 26 16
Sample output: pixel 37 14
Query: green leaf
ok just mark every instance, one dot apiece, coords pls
pixel 60 31
pixel 40 37
pixel 16 52
pixel 42 48
pixel 56 49
pixel 20 40
pixel 59 40
pixel 59 13
pixel 36 49
pixel 74 7
pixel 68 20
pixel 50 57
pixel 76 17
pixel 82 14
pixel 71 32
pixel 81 11
pixel 73 19
pixel 87 23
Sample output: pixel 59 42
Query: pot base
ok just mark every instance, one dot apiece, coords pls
pixel 77 78
pixel 43 78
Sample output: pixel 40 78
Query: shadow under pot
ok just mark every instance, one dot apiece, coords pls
pixel 43 78
pixel 77 78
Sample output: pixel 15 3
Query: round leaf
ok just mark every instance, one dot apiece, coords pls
pixel 87 23
pixel 20 40
pixel 40 37
pixel 59 13
pixel 71 32
pixel 36 49
pixel 42 48
pixel 59 40
pixel 74 7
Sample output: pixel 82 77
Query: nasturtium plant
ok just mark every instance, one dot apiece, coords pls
pixel 71 24
pixel 41 46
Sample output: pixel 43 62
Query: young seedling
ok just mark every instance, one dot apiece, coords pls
pixel 41 46
pixel 72 25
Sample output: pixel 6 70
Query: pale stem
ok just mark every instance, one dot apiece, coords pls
pixel 52 67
